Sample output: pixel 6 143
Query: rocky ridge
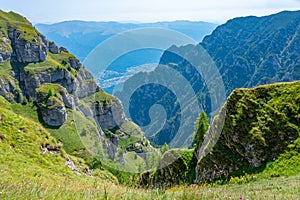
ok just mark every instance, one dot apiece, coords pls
pixel 35 69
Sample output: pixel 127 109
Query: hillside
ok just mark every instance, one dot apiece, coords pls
pixel 49 85
pixel 256 135
pixel 261 125
pixel 34 166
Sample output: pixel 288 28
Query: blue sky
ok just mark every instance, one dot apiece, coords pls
pixel 39 11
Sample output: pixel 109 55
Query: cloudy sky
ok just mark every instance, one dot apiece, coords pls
pixel 39 11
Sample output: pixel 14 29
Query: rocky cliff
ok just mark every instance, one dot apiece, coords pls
pixel 36 70
pixel 259 125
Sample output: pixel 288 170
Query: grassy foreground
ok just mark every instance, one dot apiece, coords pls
pixel 26 173
pixel 94 188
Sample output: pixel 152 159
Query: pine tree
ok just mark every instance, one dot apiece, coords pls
pixel 201 126
pixel 164 148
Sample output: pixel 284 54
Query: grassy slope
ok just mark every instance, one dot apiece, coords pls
pixel 25 173
pixel 14 21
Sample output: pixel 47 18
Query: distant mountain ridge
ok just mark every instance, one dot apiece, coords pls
pixel 80 37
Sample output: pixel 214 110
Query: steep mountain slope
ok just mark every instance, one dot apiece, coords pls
pixel 261 125
pixel 246 52
pixel 57 91
pixel 256 50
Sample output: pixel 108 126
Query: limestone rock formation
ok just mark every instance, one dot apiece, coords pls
pixel 25 51
pixel 109 116
pixel 54 113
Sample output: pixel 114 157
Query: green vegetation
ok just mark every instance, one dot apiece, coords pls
pixel 13 21
pixel 201 126
pixel 5 68
pixel 69 132
pixel 54 62
pixel 164 148
pixel 261 125
pixel 50 90
pixel 27 173
pixel 100 97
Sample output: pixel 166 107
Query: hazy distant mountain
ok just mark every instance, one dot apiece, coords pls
pixel 80 37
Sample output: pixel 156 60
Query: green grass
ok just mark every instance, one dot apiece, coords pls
pixel 14 21
pixel 28 111
pixel 48 90
pixel 265 119
pixel 28 174
pixel 69 132
pixel 51 64
pixel 101 97
pixel 5 68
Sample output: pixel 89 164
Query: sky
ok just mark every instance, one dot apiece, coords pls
pixel 217 11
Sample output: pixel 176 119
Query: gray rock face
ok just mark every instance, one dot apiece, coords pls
pixel 4 55
pixel 10 90
pixel 5 50
pixel 26 52
pixel 63 49
pixel 75 63
pixel 111 147
pixel 84 84
pixel 109 116
pixel 54 113
pixel 53 48
pixel 68 100
pixel 4 46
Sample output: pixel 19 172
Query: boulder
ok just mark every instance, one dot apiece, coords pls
pixel 54 112
pixel 75 63
pixel 53 48
pixel 63 49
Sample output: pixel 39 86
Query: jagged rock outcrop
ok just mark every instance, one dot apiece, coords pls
pixel 53 48
pixel 54 113
pixel 84 84
pixel 52 100
pixel 5 49
pixel 80 86
pixel 10 89
pixel 25 51
pixel 259 125
pixel 109 116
